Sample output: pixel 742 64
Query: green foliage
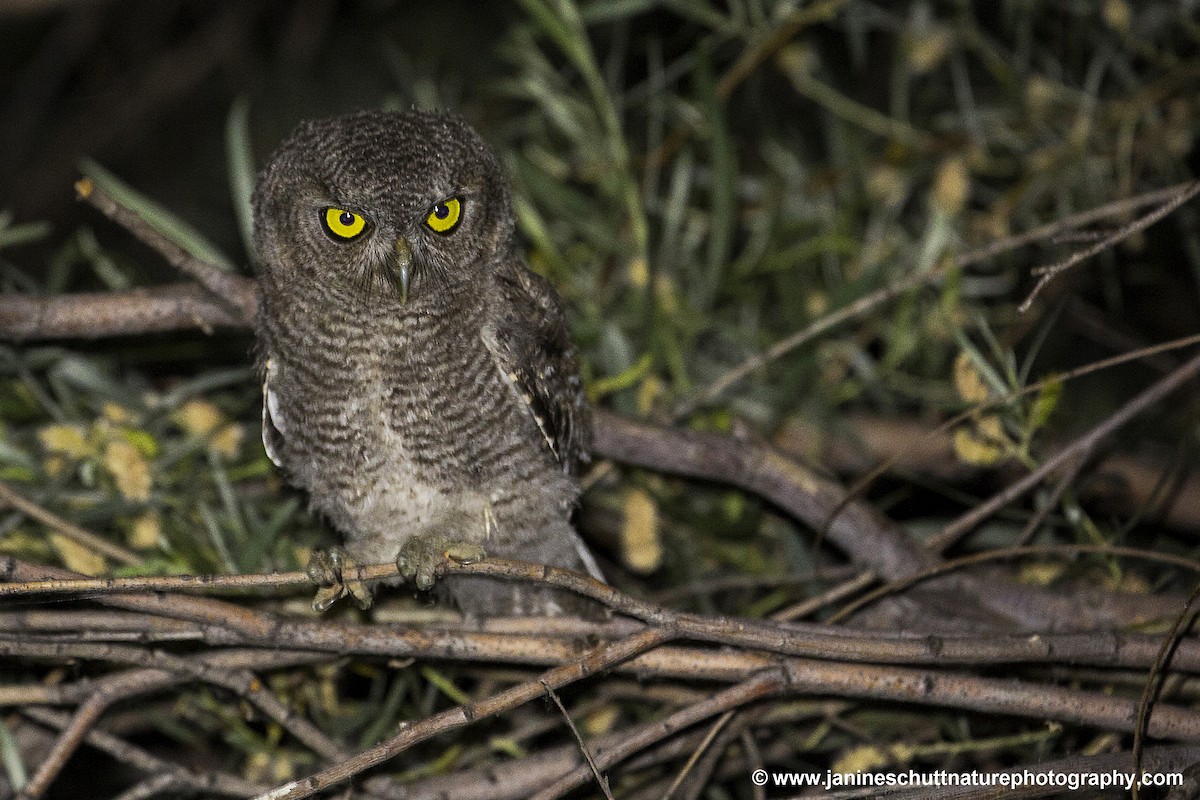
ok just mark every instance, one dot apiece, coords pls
pixel 700 181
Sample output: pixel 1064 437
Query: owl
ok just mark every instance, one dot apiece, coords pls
pixel 418 379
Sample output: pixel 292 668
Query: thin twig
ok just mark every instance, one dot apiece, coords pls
pixel 129 684
pixel 932 277
pixel 175 583
pixel 1078 449
pixel 1061 485
pixel 859 487
pixel 131 755
pixel 801 639
pixel 595 660
pixel 761 686
pixel 705 743
pixel 601 780
pixel 1006 553
pixel 1048 273
pixel 1154 682
pixel 836 593
pixel 72 531
pixel 223 285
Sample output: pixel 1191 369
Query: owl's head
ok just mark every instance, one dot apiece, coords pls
pixel 388 206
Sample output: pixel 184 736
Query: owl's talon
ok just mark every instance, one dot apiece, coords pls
pixel 465 552
pixel 422 559
pixel 325 569
pixel 326 596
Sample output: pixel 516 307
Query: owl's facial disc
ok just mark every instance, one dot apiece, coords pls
pixel 402 268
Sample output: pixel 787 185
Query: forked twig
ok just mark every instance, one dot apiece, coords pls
pixel 1049 272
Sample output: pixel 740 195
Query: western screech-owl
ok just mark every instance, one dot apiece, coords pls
pixel 418 378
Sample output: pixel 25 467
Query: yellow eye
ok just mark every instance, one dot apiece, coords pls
pixel 342 224
pixel 444 216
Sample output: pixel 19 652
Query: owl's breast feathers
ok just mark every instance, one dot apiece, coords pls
pixel 408 385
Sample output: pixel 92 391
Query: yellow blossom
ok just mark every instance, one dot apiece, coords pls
pixel 67 440
pixel 128 468
pixel 204 420
pixel 641 539
pixel 145 531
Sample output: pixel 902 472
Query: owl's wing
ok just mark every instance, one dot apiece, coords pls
pixel 273 425
pixel 534 354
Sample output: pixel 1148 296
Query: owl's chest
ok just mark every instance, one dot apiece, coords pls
pixel 420 400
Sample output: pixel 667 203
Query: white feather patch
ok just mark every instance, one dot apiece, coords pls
pixel 271 419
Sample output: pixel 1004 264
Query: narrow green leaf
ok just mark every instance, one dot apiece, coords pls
pixel 445 685
pixel 157 216
pixel 240 164
pixel 25 233
pixel 723 188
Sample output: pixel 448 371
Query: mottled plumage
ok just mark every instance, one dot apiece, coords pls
pixel 419 380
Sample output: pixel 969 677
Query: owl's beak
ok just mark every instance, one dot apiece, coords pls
pixel 402 268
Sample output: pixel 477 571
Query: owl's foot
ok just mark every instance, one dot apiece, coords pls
pixel 421 558
pixel 325 569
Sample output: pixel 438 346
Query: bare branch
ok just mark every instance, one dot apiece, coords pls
pixel 125 753
pixel 800 639
pixel 223 286
pixel 94 315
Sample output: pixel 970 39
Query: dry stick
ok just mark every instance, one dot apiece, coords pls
pixel 817 677
pixel 813 604
pixel 84 720
pixel 701 748
pixel 223 285
pixel 1006 553
pixel 759 687
pixel 94 315
pixel 1048 273
pixel 126 753
pixel 832 642
pixel 717 751
pixel 157 679
pixel 168 583
pixel 97 625
pixel 601 780
pixel 133 683
pixel 73 532
pixel 802 639
pixel 517 780
pixel 1154 683
pixel 1079 448
pixel 719 760
pixel 985 695
pixel 594 660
